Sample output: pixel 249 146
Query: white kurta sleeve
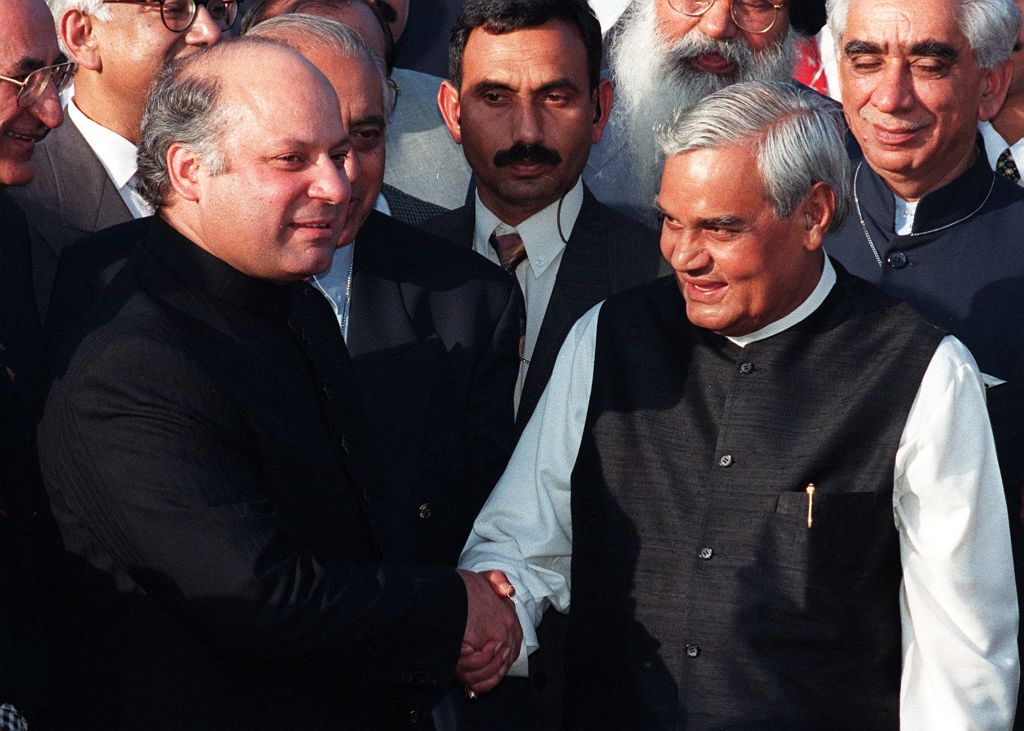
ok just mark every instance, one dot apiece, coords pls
pixel 525 527
pixel 958 602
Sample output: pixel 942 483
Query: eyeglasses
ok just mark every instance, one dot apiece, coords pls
pixel 753 16
pixel 33 85
pixel 179 15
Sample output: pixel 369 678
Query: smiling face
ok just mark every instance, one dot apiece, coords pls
pixel 278 209
pixel 738 266
pixel 525 115
pixel 913 92
pixel 28 42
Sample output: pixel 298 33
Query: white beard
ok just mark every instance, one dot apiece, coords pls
pixel 653 80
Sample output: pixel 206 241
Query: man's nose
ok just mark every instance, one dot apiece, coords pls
pixel 204 31
pixel 47 108
pixel 529 126
pixel 717 22
pixel 330 183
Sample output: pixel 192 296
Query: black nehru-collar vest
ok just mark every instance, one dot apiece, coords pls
pixel 701 598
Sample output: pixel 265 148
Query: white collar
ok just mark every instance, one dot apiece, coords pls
pixel 808 306
pixel 115 153
pixel 542 232
pixel 995 144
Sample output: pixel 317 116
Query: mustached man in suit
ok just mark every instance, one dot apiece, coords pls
pixel 526 103
pixel 85 169
pixel 32 70
pixel 205 448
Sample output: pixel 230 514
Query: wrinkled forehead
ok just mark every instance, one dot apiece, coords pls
pixel 897 27
pixel 28 39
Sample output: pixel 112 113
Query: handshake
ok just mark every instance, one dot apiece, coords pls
pixel 491 641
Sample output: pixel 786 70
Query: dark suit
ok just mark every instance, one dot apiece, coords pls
pixel 606 253
pixel 433 342
pixel 408 208
pixel 433 336
pixel 210 468
pixel 29 547
pixel 70 196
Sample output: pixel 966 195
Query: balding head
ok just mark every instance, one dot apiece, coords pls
pixel 248 166
pixel 364 17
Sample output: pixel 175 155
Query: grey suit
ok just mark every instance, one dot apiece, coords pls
pixel 423 160
pixel 70 196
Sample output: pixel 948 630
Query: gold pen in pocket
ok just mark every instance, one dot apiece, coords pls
pixel 810 503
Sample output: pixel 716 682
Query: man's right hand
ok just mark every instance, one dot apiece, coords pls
pixel 491 641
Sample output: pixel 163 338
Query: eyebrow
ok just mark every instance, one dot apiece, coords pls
pixel 723 221
pixel 560 83
pixel 929 48
pixel 934 49
pixel 856 47
pixel 372 119
pixel 28 64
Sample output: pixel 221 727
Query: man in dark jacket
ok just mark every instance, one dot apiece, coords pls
pixel 207 454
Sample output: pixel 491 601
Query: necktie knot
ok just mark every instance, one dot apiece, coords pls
pixel 510 250
pixel 1006 166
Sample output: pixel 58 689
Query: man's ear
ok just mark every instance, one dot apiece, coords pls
pixel 184 169
pixel 605 97
pixel 995 84
pixel 449 103
pixel 77 30
pixel 815 214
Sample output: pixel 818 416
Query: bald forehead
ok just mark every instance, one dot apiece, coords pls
pixel 28 40
pixel 356 14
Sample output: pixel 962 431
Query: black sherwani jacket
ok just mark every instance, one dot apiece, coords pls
pixel 433 338
pixel 210 469
pixel 29 546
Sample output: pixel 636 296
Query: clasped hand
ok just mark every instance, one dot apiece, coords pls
pixel 491 641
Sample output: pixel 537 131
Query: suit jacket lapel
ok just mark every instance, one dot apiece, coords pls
pixel 88 199
pixel 584 278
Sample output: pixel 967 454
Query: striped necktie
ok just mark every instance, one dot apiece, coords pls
pixel 511 253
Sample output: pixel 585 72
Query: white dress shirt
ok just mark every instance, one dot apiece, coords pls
pixel 336 284
pixel 995 144
pixel 958 604
pixel 542 235
pixel 116 155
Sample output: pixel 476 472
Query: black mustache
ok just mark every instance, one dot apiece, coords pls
pixel 520 152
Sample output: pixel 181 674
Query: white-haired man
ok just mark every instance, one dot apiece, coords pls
pixel 669 54
pixel 86 168
pixel 775 487
pixel 933 223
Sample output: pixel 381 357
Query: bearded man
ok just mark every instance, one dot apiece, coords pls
pixel 670 54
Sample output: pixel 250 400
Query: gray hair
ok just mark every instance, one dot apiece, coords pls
pixel 93 8
pixel 183 108
pixel 797 135
pixel 991 27
pixel 302 30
